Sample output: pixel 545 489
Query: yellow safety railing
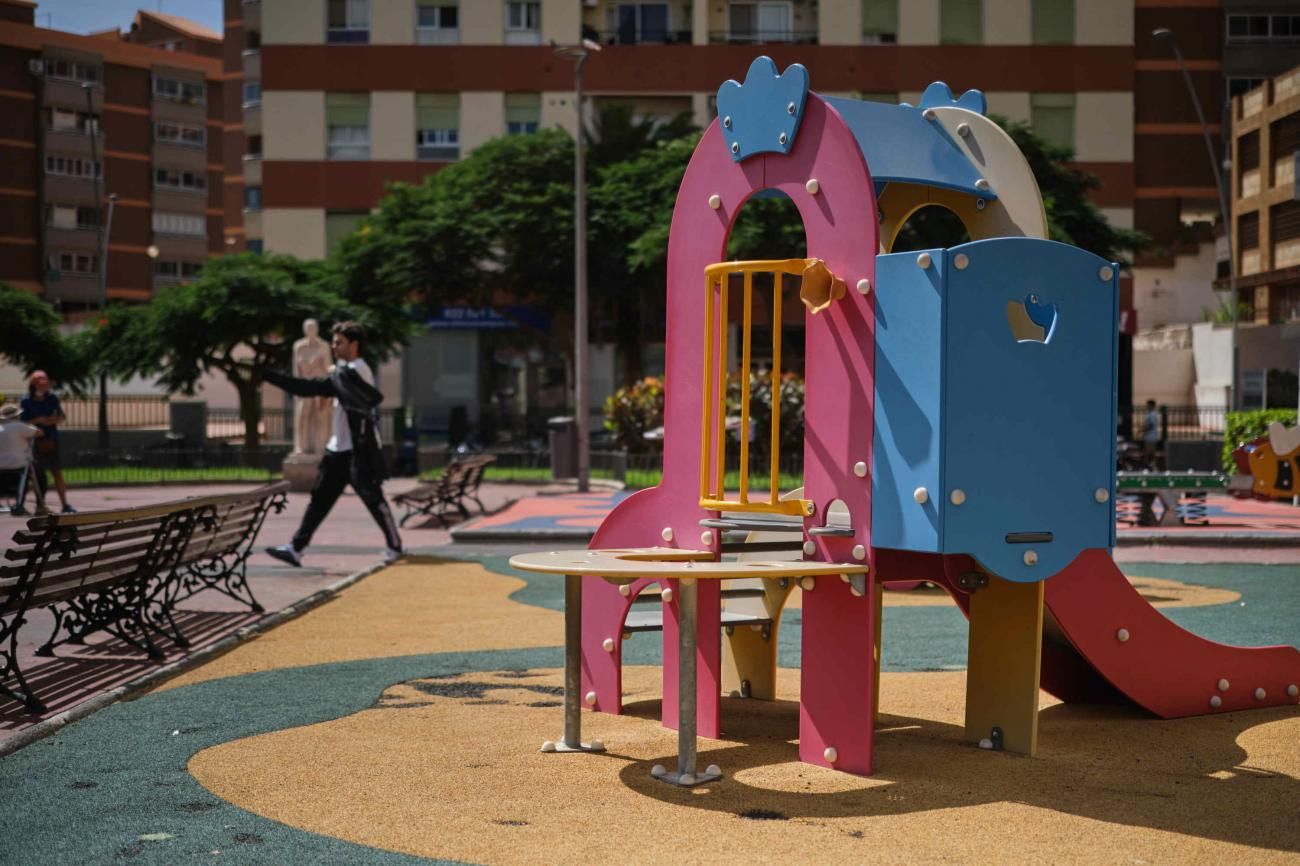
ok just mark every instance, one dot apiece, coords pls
pixel 714 443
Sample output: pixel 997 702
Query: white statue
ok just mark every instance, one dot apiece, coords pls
pixel 311 415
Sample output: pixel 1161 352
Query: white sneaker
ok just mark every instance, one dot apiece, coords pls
pixel 392 555
pixel 286 554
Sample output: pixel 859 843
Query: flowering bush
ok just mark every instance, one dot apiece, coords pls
pixel 635 410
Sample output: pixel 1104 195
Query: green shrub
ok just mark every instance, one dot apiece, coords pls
pixel 1242 427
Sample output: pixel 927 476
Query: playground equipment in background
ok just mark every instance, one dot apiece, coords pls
pixel 1182 496
pixel 959 421
pixel 1271 463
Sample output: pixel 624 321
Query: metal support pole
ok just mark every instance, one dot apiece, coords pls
pixel 92 128
pixel 687 624
pixel 1225 211
pixel 580 361
pixel 572 740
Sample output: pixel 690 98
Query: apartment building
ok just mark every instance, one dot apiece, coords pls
pixel 105 113
pixel 1266 200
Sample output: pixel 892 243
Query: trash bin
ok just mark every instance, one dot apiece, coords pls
pixel 563 434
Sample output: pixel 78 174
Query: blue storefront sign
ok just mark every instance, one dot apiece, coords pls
pixel 487 318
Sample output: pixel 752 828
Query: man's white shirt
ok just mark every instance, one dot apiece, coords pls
pixel 340 433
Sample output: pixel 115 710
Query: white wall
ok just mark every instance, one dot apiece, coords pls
pixel 1177 295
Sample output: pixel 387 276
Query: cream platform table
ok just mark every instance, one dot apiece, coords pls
pixel 686 567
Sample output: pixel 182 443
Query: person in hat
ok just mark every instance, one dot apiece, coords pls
pixel 42 408
pixel 15 453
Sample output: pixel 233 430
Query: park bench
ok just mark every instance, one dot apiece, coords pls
pixel 123 572
pixel 458 482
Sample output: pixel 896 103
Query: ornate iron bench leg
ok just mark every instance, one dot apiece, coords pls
pixel 9 665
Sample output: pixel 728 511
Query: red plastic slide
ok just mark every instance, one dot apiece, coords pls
pixel 1102 640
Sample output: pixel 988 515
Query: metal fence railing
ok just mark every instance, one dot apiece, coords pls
pixel 1180 423
pixel 125 412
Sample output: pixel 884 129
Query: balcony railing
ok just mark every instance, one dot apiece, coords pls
pixel 762 37
pixel 645 37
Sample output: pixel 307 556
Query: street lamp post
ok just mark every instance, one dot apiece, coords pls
pixel 103 228
pixel 1225 213
pixel 579 53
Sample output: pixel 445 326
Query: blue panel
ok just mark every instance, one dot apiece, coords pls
pixel 901 145
pixel 938 95
pixel 1029 426
pixel 762 115
pixel 907 450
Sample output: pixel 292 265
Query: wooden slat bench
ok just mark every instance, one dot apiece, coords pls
pixel 458 482
pixel 123 571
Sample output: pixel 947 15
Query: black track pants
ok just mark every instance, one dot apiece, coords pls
pixel 336 472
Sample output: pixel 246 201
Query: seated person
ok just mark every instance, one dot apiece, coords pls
pixel 15 455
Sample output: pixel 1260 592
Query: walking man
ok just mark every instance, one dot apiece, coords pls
pixel 352 454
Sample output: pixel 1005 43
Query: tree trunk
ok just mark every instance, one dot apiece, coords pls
pixel 250 411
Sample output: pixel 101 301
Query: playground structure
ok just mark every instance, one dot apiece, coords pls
pixel 1270 465
pixel 959 418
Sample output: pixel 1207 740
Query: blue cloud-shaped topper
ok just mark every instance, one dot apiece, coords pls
pixel 939 95
pixel 762 115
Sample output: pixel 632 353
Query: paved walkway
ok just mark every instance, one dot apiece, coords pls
pixel 348 542
pixel 575 517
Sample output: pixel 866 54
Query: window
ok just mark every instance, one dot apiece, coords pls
pixel 1238 86
pixel 253 40
pixel 74 263
pixel 348 21
pixel 641 22
pixel 63 216
pixel 73 70
pixel 1053 22
pixel 179 133
pixel 186 92
pixel 193 225
pixel 1052 116
pixel 961 22
pixel 1277 29
pixel 188 181
pixel 252 198
pixel 523 23
pixel 175 271
pixel 879 22
pixel 253 245
pixel 253 147
pixel 72 166
pixel 68 120
pixel 437 22
pixel 347 125
pixel 437 126
pixel 252 93
pixel 760 22
pixel 523 113
pixel 340 224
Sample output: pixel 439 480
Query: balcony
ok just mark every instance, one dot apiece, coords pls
pixel 252 14
pixel 253 64
pixel 762 37
pixel 71 288
pixel 437 35
pixel 632 37
pixel 347 35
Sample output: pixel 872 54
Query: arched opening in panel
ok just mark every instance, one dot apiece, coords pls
pixel 930 227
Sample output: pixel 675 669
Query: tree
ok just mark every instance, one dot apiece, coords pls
pixel 1072 218
pixel 241 315
pixel 499 220
pixel 30 338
